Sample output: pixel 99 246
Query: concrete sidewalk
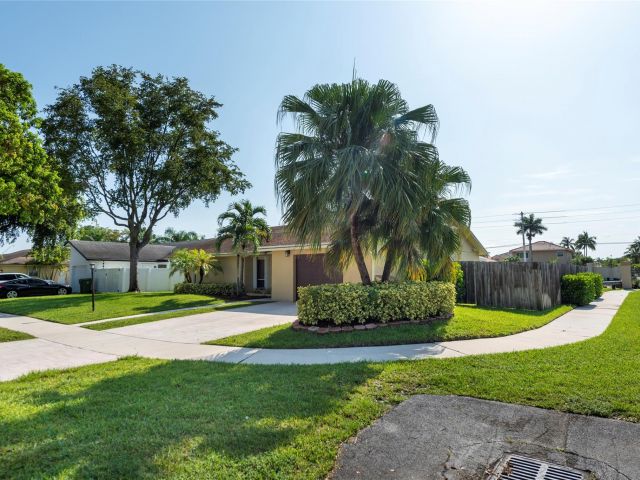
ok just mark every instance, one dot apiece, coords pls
pixel 63 346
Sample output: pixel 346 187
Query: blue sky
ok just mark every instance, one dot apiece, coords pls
pixel 539 101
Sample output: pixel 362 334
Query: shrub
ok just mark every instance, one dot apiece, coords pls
pixel 348 303
pixel 212 289
pixel 458 279
pixel 598 284
pixel 577 289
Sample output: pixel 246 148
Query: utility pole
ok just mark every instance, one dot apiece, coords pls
pixel 523 242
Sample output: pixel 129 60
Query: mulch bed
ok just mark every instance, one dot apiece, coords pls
pixel 324 329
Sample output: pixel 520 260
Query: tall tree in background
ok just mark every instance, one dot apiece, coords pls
pixel 246 229
pixel 531 226
pixel 171 235
pixel 140 148
pixel 633 251
pixel 97 233
pixel 568 242
pixel 353 161
pixel 35 196
pixel 585 242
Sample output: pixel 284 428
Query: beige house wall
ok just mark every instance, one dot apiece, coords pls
pixel 551 256
pixel 466 253
pixel 228 275
pixel 282 276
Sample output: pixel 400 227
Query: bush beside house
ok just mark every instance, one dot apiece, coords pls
pixel 213 289
pixel 581 288
pixel 347 303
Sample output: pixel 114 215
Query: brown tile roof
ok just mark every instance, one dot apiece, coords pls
pixel 541 246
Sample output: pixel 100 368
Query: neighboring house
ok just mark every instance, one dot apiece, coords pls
pixel 111 263
pixel 21 261
pixel 542 252
pixel 279 267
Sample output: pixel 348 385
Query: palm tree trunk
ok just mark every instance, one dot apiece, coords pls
pixel 357 251
pixel 201 274
pixel 388 265
pixel 530 251
pixel 243 272
pixel 238 274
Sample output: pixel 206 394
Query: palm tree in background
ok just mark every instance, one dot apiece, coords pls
pixel 205 262
pixel 171 235
pixel 531 226
pixel 633 251
pixel 247 230
pixel 354 162
pixel 585 242
pixel 568 242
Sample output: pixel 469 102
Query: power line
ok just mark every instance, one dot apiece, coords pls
pixel 586 221
pixel 634 210
pixel 562 211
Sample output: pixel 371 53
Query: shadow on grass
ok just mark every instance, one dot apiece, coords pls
pixel 140 417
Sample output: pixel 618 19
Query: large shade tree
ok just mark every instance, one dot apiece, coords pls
pixel 244 225
pixel 531 226
pixel 585 242
pixel 35 196
pixel 140 147
pixel 353 161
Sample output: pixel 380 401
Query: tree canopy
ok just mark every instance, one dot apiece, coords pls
pixel 98 233
pixel 35 196
pixel 139 147
pixel 585 242
pixel 531 226
pixel 356 170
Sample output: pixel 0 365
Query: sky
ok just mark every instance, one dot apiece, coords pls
pixel 537 101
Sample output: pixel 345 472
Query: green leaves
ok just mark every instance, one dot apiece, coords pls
pixel 35 196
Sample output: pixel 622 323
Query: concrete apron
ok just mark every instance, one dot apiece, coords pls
pixel 62 346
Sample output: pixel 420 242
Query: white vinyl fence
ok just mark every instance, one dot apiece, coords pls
pixel 117 279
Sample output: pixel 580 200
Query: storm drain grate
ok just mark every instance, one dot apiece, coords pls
pixel 516 467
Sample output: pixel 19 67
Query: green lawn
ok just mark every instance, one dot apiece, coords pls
pixel 468 322
pixel 7 335
pixel 163 316
pixel 158 419
pixel 76 308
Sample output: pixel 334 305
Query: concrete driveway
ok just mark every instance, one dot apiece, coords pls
pixel 213 325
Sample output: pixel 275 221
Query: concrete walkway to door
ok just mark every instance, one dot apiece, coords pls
pixel 63 346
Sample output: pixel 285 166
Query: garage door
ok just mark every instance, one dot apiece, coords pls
pixel 310 271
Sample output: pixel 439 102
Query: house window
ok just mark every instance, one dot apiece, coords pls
pixel 260 273
pixel 560 254
pixel 163 265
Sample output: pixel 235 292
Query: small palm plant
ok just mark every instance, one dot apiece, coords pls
pixel 585 242
pixel 205 262
pixel 183 261
pixel 247 230
pixel 531 226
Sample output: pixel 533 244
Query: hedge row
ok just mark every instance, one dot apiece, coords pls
pixel 212 289
pixel 581 288
pixel 348 303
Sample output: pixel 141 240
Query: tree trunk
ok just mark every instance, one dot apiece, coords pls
pixel 357 251
pixel 242 263
pixel 201 274
pixel 238 275
pixel 530 251
pixel 133 266
pixel 388 265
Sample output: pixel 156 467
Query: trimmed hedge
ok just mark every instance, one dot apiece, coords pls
pixel 348 303
pixel 211 289
pixel 581 288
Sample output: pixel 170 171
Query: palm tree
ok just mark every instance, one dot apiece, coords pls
pixel 531 226
pixel 354 161
pixel 183 261
pixel 568 242
pixel 205 262
pixel 432 231
pixel 171 235
pixel 633 251
pixel 246 230
pixel 585 242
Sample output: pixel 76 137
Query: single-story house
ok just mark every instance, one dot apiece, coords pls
pixel 542 252
pixel 21 261
pixel 278 268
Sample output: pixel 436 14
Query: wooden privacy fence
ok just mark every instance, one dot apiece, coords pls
pixel 532 286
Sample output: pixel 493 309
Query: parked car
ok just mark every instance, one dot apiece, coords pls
pixel 31 287
pixel 11 276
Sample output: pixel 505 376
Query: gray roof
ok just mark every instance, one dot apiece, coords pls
pixel 118 251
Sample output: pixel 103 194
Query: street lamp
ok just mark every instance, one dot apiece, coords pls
pixel 93 287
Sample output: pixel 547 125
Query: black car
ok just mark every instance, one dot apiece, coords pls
pixel 11 276
pixel 31 287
